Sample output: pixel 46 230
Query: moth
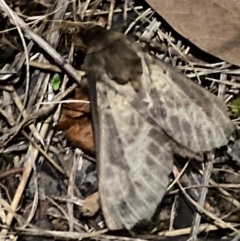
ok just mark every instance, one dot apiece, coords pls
pixel 144 113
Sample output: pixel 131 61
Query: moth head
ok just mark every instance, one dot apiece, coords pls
pixel 113 53
pixel 97 38
pixel 90 33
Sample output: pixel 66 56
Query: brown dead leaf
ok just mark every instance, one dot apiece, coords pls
pixel 91 205
pixel 76 122
pixel 77 109
pixel 212 25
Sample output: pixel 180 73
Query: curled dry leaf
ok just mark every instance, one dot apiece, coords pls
pixel 212 25
pixel 76 122
pixel 144 112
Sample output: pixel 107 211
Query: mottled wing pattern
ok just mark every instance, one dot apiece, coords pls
pixel 136 160
pixel 193 117
pixel 142 116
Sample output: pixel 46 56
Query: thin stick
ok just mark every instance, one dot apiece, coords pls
pixel 201 199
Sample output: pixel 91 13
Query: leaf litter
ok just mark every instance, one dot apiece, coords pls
pixel 43 145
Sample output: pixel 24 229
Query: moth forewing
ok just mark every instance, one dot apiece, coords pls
pixel 136 159
pixel 186 112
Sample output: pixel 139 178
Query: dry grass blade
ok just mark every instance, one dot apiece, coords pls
pixel 42 49
pixel 218 221
pixel 47 48
pixel 201 199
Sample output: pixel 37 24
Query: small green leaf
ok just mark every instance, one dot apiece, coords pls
pixel 56 82
pixel 235 107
